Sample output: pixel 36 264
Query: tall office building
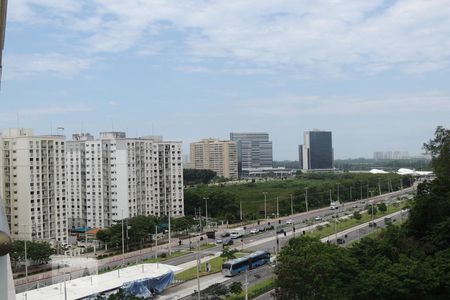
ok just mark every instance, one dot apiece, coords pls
pixel 116 177
pixel 32 185
pixel 254 150
pixel 216 155
pixel 317 151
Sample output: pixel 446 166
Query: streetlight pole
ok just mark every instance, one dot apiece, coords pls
pixel 379 187
pixel 198 270
pixel 351 198
pixel 246 284
pixel 265 205
pixel 306 198
pixel 278 212
pixel 170 231
pixel 240 210
pixel 206 211
pixel 338 192
pixel 156 246
pixel 292 205
pixel 123 243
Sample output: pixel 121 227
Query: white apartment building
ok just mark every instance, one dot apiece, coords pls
pixel 216 155
pixel 116 177
pixel 32 185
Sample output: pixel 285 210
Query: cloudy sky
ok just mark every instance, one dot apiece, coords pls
pixel 376 73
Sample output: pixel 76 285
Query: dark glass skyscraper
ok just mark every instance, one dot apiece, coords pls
pixel 317 151
pixel 254 150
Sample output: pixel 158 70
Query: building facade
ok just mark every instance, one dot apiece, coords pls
pixel 33 185
pixel 216 155
pixel 254 150
pixel 317 150
pixel 116 177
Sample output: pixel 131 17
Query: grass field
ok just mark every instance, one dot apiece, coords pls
pixel 255 290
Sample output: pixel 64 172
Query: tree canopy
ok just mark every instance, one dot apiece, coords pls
pixel 411 261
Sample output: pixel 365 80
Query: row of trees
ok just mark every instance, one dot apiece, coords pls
pixel 139 230
pixel 411 261
pixel 224 202
pixel 37 252
pixel 194 176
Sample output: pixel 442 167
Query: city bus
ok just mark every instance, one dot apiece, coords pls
pixel 251 261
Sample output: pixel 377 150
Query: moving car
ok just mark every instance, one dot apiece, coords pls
pixel 254 231
pixel 289 221
pixel 318 218
pixel 228 242
pixel 340 241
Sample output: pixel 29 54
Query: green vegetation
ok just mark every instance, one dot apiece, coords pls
pixel 224 201
pixel 194 176
pixel 350 222
pixel 140 230
pixel 255 290
pixel 37 252
pixel 166 257
pixel 411 261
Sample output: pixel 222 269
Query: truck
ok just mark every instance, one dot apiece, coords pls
pixel 237 233
pixel 335 205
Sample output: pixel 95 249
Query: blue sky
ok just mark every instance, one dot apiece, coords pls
pixel 376 73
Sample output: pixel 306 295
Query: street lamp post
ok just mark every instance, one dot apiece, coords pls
pixel 306 198
pixel 292 205
pixel 206 211
pixel 265 205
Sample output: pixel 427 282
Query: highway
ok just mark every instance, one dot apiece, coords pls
pixel 263 241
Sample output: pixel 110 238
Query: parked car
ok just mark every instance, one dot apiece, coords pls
pixel 219 241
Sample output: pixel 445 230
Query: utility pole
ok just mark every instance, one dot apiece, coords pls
pixel 338 192
pixel 306 198
pixel 170 229
pixel 379 187
pixel 265 205
pixel 246 284
pixel 200 214
pixel 278 212
pixel 240 210
pixel 292 205
pixel 123 244
pixel 156 246
pixel 198 270
pixel 206 210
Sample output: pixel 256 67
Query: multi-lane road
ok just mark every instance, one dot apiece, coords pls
pixel 265 241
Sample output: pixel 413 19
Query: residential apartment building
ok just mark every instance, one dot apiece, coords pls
pixel 32 185
pixel 317 150
pixel 254 150
pixel 216 155
pixel 116 177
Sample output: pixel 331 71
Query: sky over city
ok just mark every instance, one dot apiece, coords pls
pixel 375 73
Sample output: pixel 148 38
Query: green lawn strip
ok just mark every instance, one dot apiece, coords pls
pixel 351 222
pixel 216 266
pixel 207 246
pixel 255 290
pixel 167 257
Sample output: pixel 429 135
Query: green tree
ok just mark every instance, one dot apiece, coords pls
pixel 195 176
pixel 382 207
pixel 357 215
pixel 228 253
pixel 439 148
pixel 236 287
pixel 310 269
pixel 370 208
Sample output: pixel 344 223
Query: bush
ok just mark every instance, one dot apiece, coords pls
pixel 357 215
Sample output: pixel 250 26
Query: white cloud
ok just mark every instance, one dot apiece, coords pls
pixel 303 36
pixel 54 64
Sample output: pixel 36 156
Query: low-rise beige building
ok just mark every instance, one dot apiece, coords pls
pixel 216 155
